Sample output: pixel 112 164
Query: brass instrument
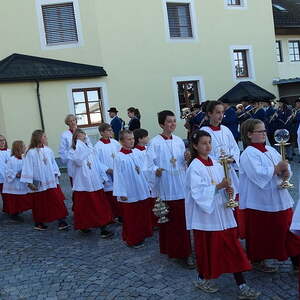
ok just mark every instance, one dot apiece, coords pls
pixel 247 112
pixel 224 161
pixel 186 113
pixel 275 115
pixel 292 116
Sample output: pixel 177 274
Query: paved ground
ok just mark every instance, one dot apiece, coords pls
pixel 68 265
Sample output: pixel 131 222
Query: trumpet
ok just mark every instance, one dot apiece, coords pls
pixel 186 113
pixel 247 112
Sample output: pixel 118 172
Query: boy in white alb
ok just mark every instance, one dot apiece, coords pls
pixel 217 247
pixel 165 158
pixel 106 150
pixel 131 187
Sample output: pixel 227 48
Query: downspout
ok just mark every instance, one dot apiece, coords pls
pixel 39 103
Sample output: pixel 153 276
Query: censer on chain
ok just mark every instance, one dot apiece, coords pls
pixel 282 136
pixel 160 210
pixel 224 161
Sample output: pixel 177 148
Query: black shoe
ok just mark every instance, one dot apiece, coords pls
pixel 40 227
pixel 63 226
pixel 105 234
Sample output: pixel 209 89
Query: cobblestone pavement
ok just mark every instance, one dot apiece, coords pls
pixel 67 265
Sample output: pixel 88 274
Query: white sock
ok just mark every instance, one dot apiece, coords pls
pixel 241 286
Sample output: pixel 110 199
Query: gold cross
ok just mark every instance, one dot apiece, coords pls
pixel 173 161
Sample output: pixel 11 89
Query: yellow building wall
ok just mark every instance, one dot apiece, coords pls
pixel 129 40
pixel 287 69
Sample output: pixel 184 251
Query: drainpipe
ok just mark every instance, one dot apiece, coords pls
pixel 39 103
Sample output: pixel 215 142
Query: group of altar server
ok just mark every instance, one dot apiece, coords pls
pixel 119 182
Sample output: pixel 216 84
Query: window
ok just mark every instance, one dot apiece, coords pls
pixel 233 2
pixel 59 23
pixel 294 50
pixel 188 93
pixel 240 63
pixel 179 18
pixel 279 51
pixel 88 106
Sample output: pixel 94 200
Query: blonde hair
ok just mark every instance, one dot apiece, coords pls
pixel 123 133
pixel 36 138
pixel 68 117
pixel 249 126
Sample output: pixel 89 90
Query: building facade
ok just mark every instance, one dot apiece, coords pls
pixel 158 54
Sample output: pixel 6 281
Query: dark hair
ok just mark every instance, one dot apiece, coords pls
pixel 135 111
pixel 139 134
pixel 17 148
pixel 123 133
pixel 249 126
pixel 195 137
pixel 103 126
pixel 75 136
pixel 35 139
pixel 6 146
pixel 162 116
pixel 211 106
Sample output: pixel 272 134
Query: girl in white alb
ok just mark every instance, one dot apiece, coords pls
pixel 16 193
pixel 41 173
pixel 217 247
pixel 66 142
pixel 90 206
pixel 132 189
pixel 106 150
pixel 268 207
pixel 4 156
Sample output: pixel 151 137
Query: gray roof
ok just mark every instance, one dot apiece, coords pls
pixel 286 13
pixel 284 81
pixel 20 67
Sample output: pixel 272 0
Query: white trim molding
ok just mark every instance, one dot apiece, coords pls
pixel 44 46
pixel 194 22
pixel 242 6
pixel 250 62
pixel 201 90
pixel 99 84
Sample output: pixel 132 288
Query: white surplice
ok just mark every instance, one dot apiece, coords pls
pixel 223 140
pixel 65 147
pixel 40 168
pixel 12 184
pixel 106 153
pixel 129 177
pixel 4 156
pixel 88 173
pixel 205 205
pixel 258 184
pixel 170 186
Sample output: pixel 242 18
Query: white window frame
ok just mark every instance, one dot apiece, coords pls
pixel 201 90
pixel 99 84
pixel 250 62
pixel 244 5
pixel 193 22
pixel 288 51
pixel 42 32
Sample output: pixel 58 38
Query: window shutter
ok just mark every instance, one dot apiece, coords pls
pixel 179 17
pixel 59 23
